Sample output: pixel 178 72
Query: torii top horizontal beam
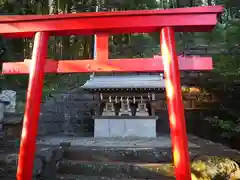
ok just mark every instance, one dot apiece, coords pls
pixel 182 19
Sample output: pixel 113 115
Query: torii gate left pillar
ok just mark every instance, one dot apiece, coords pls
pixel 166 21
pixel 32 107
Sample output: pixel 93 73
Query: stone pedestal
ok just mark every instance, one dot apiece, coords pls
pixel 1 118
pixel 1 111
pixel 125 127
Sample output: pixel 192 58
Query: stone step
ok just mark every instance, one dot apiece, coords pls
pixel 80 177
pixel 116 169
pixel 144 155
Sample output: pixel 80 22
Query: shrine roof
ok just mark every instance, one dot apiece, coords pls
pixel 125 82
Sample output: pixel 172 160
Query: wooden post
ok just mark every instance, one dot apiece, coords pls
pixel 32 108
pixel 175 105
pixel 101 47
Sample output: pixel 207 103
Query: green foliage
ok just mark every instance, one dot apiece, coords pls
pixel 229 128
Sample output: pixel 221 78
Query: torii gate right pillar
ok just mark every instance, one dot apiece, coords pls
pixel 175 105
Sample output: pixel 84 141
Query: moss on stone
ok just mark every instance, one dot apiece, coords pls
pixel 205 168
pixel 215 168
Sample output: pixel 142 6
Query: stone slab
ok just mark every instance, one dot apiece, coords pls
pixel 113 169
pixel 158 142
pixel 101 128
pixel 140 128
pixel 82 177
pixel 125 127
pixel 115 128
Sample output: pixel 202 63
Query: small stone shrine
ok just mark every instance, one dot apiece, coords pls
pixel 125 104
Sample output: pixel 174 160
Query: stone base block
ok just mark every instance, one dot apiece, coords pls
pixel 124 127
pixel 1 111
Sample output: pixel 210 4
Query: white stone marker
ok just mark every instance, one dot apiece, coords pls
pixel 9 96
pixel 7 104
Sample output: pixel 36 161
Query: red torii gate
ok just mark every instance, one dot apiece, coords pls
pixel 104 24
